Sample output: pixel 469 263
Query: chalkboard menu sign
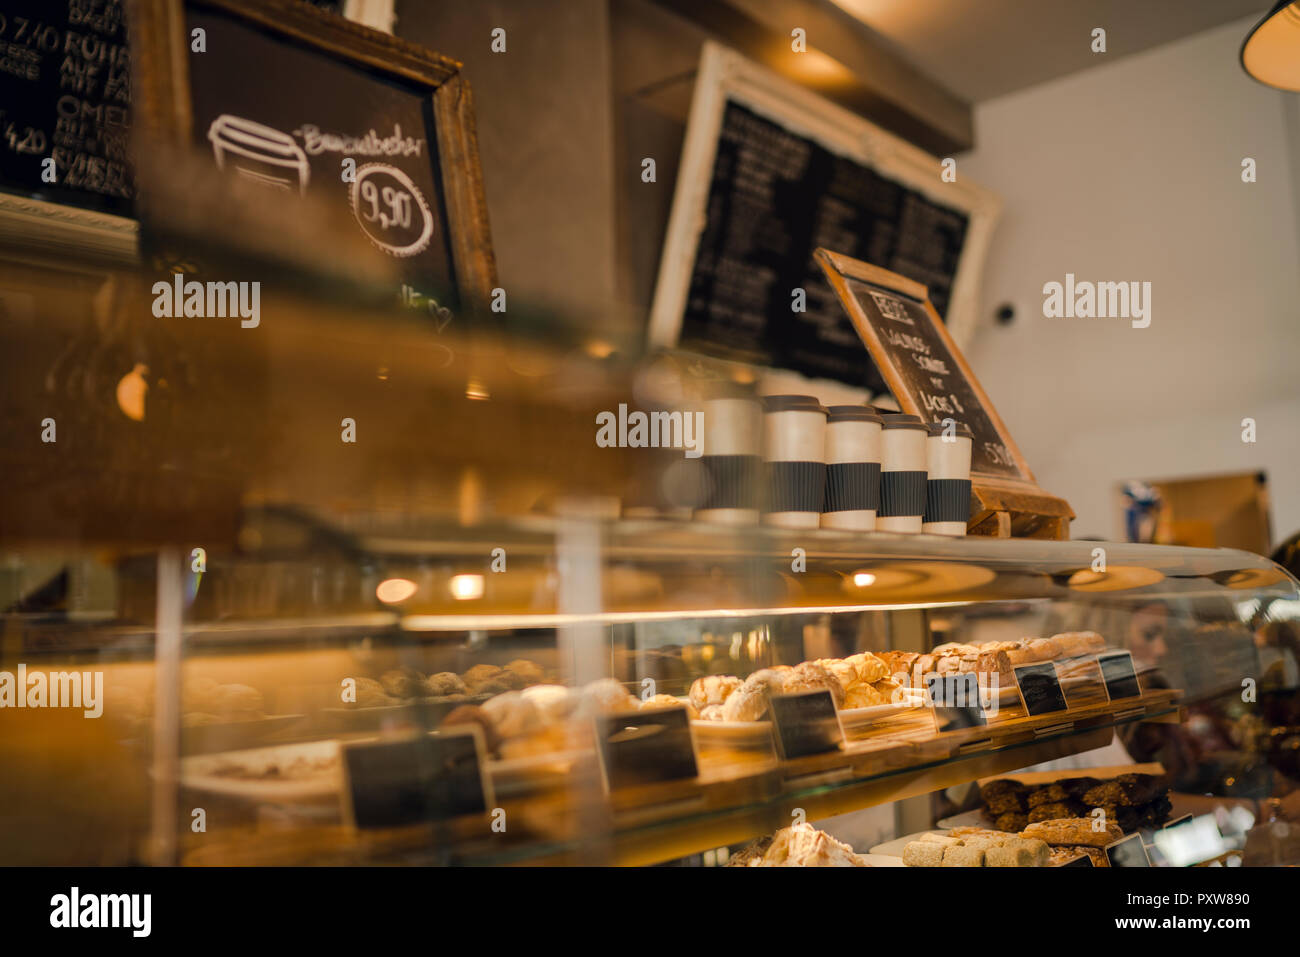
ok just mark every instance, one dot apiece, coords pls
pixel 305 104
pixel 770 172
pixel 290 120
pixel 65 95
pixel 776 197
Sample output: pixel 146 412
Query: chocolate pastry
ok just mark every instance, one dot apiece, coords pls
pixel 1047 794
pixel 1014 821
pixel 1050 812
pixel 1005 804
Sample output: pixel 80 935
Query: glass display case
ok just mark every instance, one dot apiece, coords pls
pixel 265 704
pixel 340 593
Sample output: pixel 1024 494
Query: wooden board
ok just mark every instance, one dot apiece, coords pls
pixel 929 377
pixel 1037 778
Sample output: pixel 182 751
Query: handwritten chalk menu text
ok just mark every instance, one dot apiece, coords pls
pixel 65 95
pixel 917 352
pixel 774 198
pixel 287 116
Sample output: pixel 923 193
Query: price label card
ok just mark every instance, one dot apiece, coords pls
pixel 644 747
pixel 955 701
pixel 1081 681
pixel 1120 675
pixel 408 780
pixel 806 723
pixel 1083 860
pixel 1040 689
pixel 1128 852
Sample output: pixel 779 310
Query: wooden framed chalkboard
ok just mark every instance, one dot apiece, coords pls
pixel 770 171
pixel 927 374
pixel 65 116
pixel 282 95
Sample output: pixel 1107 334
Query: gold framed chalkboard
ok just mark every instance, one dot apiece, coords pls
pixel 929 377
pixel 283 93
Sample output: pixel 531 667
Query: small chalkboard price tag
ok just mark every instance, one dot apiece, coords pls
pixel 1081 681
pixel 1083 860
pixel 1120 675
pixel 409 780
pixel 1128 852
pixel 806 723
pixel 645 747
pixel 955 701
pixel 1040 689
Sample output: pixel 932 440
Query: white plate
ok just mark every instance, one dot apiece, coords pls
pixel 858 715
pixel 199 773
pixel 883 860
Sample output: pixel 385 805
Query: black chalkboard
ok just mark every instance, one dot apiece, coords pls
pixel 646 747
pixel 411 780
pixel 934 377
pixel 774 198
pixel 805 722
pixel 1040 688
pixel 65 95
pixel 286 114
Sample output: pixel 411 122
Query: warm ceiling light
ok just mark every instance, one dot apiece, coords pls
pixel 864 579
pixel 474 389
pixel 393 590
pixel 1271 53
pixel 466 587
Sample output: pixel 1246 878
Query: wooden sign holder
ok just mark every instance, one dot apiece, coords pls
pixel 1001 507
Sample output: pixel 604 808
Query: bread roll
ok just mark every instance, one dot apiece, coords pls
pixel 712 689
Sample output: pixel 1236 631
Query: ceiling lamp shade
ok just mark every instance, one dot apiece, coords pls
pixel 1271 53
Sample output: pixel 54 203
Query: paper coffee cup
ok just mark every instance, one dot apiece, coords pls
pixel 852 468
pixel 794 460
pixel 902 473
pixel 947 488
pixel 731 457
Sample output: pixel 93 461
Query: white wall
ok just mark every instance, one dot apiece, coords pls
pixel 1132 171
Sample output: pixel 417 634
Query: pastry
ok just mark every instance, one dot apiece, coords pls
pixel 525 671
pixel 711 713
pixel 1044 649
pixel 863 696
pixel 445 683
pixel 811 676
pixel 1054 811
pixel 1012 821
pixel 712 689
pixel 513 715
pixel 1005 804
pixel 553 702
pixel 802 845
pixel 954 648
pixel 963 856
pixel 749 701
pixel 1009 855
pixel 898 662
pixel 889 689
pixel 403 682
pixel 1078 830
pixel 752 854
pixel 480 674
pixel 942 839
pixel 472 714
pixel 668 701
pixel 607 696
pixel 922 854
pixel 1046 795
pixel 370 694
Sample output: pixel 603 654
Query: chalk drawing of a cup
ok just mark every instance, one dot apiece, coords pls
pixel 259 153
